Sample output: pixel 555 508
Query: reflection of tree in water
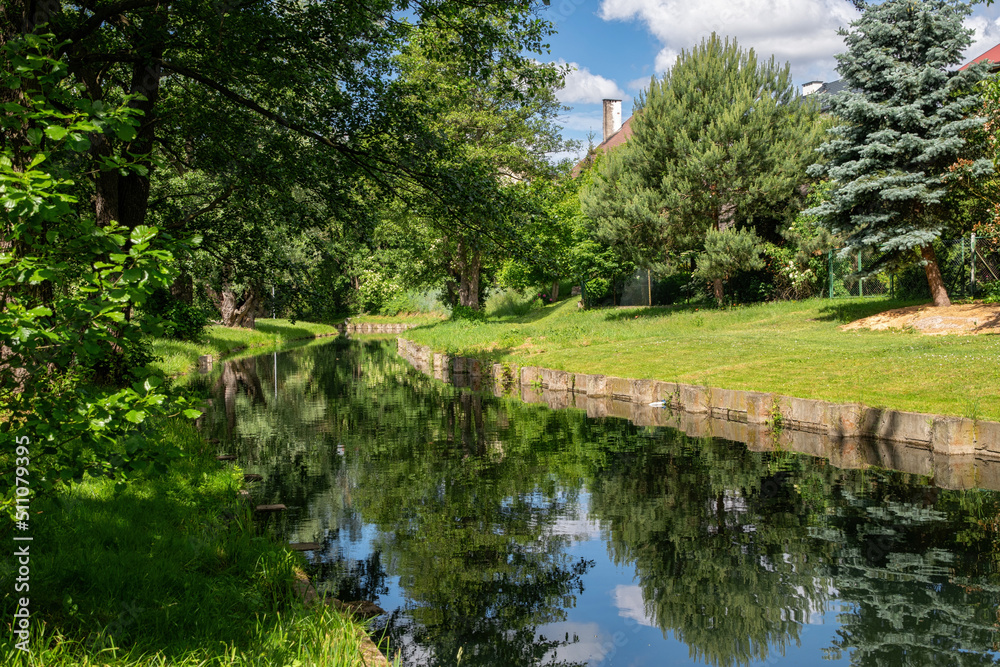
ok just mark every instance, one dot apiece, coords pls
pixel 734 550
pixel 920 576
pixel 726 568
pixel 470 532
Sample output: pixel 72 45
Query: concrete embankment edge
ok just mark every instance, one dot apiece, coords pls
pixel 959 452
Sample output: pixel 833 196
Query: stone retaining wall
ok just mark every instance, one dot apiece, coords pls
pixel 369 327
pixel 959 452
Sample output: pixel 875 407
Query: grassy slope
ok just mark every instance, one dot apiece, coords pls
pixel 169 571
pixel 791 348
pixel 401 318
pixel 178 356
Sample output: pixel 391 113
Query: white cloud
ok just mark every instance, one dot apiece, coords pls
pixel 986 36
pixel 631 604
pixel 642 83
pixel 582 121
pixel 581 85
pixel 665 59
pixel 802 32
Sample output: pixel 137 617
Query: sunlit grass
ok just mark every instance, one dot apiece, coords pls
pixel 176 357
pixel 793 348
pixel 168 571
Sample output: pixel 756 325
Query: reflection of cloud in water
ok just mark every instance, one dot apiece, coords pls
pixel 581 530
pixel 587 642
pixel 630 604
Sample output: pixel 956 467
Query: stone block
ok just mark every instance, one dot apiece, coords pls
pixel 728 404
pixel 908 427
pixel 988 437
pixel 760 407
pixel 694 398
pixel 843 420
pixel 458 365
pixel 597 386
pixel 531 376
pixel 644 392
pixel 953 435
pixel 802 414
pixel 556 380
pixel 667 391
pixel 619 389
pixel 474 367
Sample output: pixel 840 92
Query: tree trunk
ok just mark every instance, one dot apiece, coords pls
pixel 939 293
pixel 555 290
pixel 717 290
pixel 239 311
pixel 469 267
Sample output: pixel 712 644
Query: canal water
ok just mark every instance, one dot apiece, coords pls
pixel 496 533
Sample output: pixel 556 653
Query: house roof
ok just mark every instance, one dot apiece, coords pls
pixel 993 56
pixel 616 139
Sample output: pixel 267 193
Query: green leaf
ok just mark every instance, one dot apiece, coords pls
pixel 135 416
pixel 191 413
pixel 56 132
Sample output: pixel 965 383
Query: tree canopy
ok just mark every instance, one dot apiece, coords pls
pixel 719 141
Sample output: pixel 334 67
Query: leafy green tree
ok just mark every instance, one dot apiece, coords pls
pixel 73 388
pixel 901 147
pixel 720 140
pixel 499 130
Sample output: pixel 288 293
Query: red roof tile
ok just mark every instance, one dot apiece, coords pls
pixel 616 139
pixel 993 55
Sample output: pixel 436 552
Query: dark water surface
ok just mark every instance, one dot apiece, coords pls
pixel 497 533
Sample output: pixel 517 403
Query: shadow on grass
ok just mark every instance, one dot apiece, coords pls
pixel 849 311
pixel 623 313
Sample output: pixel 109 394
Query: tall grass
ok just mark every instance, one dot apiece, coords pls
pixel 509 303
pixel 169 570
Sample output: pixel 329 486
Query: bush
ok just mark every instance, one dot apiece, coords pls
pixel 510 303
pixel 179 320
pixel 467 313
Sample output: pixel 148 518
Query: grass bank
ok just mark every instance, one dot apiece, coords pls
pixel 176 357
pixel 168 571
pixel 792 348
pixel 402 318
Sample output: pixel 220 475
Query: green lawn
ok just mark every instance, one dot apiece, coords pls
pixel 793 348
pixel 176 357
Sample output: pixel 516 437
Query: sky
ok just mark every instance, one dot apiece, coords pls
pixel 615 46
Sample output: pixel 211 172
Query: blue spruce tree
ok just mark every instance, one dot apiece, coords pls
pixel 903 127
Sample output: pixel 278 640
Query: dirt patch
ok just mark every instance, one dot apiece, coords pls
pixel 965 319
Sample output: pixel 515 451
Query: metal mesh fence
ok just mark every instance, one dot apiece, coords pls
pixel 969 265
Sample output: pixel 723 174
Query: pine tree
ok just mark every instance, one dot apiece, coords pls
pixel 903 125
pixel 719 140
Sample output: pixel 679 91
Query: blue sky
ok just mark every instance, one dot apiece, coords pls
pixel 616 45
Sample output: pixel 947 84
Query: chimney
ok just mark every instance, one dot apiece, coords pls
pixel 612 117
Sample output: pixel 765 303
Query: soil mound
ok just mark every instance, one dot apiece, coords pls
pixel 965 319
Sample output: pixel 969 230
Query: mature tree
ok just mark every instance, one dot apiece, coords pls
pixel 904 123
pixel 720 140
pixel 237 90
pixel 499 129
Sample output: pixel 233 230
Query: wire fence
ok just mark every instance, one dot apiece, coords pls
pixel 970 267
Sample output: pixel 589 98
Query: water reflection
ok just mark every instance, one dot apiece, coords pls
pixel 474 521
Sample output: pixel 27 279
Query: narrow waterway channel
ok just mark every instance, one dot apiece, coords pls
pixel 495 532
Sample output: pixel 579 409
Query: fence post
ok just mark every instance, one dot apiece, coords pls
pixel 830 264
pixel 972 259
pixel 861 281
